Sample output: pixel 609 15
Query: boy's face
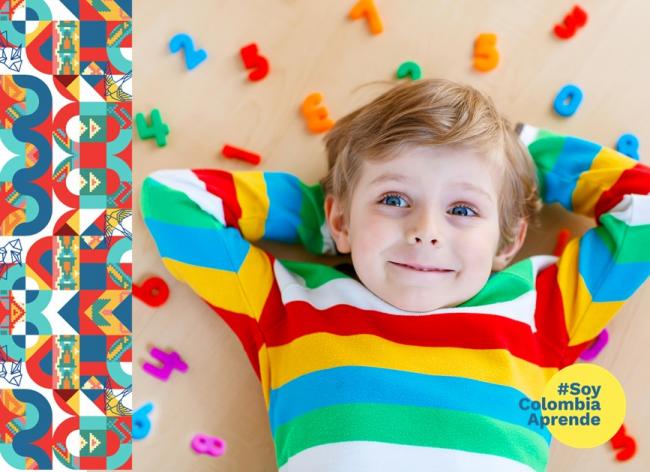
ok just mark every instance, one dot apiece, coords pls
pixel 438 211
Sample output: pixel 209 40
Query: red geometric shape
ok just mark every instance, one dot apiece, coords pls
pixel 93 155
pixel 93 368
pixel 61 397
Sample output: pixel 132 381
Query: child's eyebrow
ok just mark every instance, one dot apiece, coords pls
pixel 390 176
pixel 471 186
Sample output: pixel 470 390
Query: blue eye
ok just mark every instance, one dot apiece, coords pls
pixel 392 199
pixel 463 211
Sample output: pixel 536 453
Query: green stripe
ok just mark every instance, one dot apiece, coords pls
pixel 505 285
pixel 636 247
pixel 545 150
pixel 408 425
pixel 312 216
pixel 314 274
pixel 629 243
pixel 508 284
pixel 167 205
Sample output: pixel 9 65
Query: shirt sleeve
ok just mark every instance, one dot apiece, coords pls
pixel 598 271
pixel 203 222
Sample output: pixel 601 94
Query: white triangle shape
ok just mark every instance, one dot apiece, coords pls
pixel 87 407
pixel 88 217
pixel 87 93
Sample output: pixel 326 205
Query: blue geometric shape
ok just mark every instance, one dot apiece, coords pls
pixel 19 340
pixel 93 394
pixel 72 5
pixel 85 378
pixel 38 10
pixel 93 230
pixel 25 441
pixel 31 295
pixel 70 312
pixel 92 276
pixel 19 26
pixel 93 80
pixel 46 364
pixel 46 260
pixel 31 328
pixel 92 34
pixel 92 348
pixel 19 284
pixel 125 5
pixel 46 49
pixel 123 312
pixel 25 179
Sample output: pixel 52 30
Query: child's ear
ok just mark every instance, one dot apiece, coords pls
pixel 501 260
pixel 335 217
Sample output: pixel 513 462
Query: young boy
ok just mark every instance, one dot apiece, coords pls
pixel 419 359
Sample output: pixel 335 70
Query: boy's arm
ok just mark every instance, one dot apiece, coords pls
pixel 274 206
pixel 203 221
pixel 597 272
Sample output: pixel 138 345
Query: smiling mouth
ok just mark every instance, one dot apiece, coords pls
pixel 421 268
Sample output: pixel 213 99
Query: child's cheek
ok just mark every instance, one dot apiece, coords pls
pixel 477 253
pixel 376 230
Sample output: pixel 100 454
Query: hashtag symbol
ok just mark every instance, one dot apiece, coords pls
pixel 563 388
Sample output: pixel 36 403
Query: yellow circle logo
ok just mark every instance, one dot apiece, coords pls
pixel 583 405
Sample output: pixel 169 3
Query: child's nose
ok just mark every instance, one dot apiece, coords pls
pixel 417 239
pixel 425 229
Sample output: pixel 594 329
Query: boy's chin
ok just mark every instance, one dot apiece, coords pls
pixel 419 306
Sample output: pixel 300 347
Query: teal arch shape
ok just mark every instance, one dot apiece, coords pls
pixel 118 374
pixel 118 61
pixel 35 309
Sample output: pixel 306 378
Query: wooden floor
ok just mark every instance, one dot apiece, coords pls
pixel 313 46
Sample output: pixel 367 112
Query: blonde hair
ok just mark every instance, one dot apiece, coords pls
pixel 433 112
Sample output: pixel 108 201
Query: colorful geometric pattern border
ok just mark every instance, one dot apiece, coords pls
pixel 65 235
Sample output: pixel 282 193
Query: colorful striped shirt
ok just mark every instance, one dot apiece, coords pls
pixel 353 383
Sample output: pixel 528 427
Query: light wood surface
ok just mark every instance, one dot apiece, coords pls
pixel 313 46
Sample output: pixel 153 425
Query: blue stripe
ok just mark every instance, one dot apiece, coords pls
pixel 622 281
pixel 358 384
pixel 222 248
pixel 594 258
pixel 576 157
pixel 596 261
pixel 285 200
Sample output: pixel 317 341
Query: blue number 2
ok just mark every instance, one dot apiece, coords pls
pixel 193 57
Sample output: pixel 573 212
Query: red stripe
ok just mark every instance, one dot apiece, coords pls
pixel 247 331
pixel 572 352
pixel 549 310
pixel 274 310
pixel 550 320
pixel 634 180
pixel 464 330
pixel 222 184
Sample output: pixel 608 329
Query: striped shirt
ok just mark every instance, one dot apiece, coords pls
pixel 352 383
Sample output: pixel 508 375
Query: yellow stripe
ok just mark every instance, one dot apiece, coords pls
pixel 575 295
pixel 606 168
pixel 326 351
pixel 583 319
pixel 34 277
pixel 256 276
pixel 592 322
pixel 224 289
pixel 250 188
pixel 114 13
